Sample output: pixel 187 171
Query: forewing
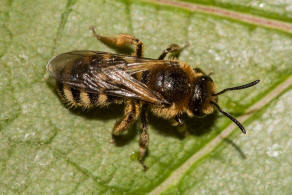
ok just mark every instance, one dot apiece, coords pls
pixel 99 71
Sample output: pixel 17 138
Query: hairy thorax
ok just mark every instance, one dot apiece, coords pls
pixel 174 85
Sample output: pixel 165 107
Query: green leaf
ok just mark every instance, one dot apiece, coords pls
pixel 46 148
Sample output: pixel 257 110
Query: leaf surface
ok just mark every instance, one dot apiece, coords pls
pixel 44 147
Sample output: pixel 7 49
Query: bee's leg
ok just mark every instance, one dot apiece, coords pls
pixel 121 41
pixel 174 50
pixel 144 137
pixel 177 122
pixel 180 127
pixel 132 112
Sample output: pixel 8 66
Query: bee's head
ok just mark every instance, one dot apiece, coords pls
pixel 204 98
pixel 202 91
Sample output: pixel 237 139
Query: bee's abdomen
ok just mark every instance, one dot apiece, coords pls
pixel 93 98
pixel 80 98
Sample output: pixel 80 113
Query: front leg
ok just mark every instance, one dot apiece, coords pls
pixel 144 137
pixel 131 114
pixel 177 121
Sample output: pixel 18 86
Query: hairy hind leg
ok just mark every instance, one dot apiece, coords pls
pixel 121 41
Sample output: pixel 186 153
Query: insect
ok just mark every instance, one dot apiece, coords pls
pixel 167 88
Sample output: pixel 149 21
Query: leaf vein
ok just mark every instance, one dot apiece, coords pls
pixel 257 20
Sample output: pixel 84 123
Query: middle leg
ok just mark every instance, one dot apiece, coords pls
pixel 131 114
pixel 144 137
pixel 174 50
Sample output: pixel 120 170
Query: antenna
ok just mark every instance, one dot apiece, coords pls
pixel 237 88
pixel 230 117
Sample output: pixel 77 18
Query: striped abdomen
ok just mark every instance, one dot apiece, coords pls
pixel 81 98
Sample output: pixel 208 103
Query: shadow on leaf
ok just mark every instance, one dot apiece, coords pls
pixel 193 126
pixel 104 113
pixel 235 146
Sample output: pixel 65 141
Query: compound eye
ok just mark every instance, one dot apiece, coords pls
pixel 200 93
pixel 196 102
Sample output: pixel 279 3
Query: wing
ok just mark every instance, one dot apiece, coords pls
pixel 104 72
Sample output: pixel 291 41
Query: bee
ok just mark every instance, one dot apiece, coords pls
pixel 167 88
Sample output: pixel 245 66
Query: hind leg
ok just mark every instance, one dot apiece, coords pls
pixel 121 41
